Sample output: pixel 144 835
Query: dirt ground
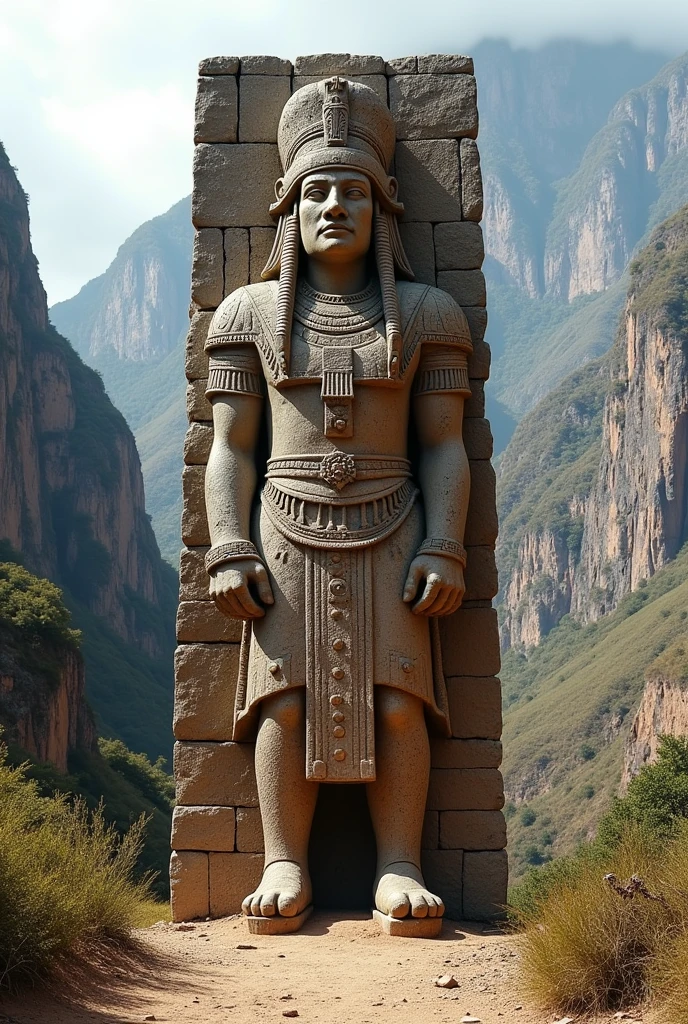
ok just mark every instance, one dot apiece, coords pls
pixel 335 971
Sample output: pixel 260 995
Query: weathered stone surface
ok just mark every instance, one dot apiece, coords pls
pixel 196 359
pixel 401 66
pixel 429 180
pixel 430 840
pixel 216 109
pixel 481 523
pixel 446 753
pixel 204 828
pixel 262 241
pixel 485 877
pixel 465 789
pixel 472 830
pixel 259 64
pixel 475 707
pixel 207 270
pixel 249 833
pixel 477 323
pixel 194 522
pixel 475 405
pixel 481 358
pixel 321 65
pixel 459 246
pixel 443 873
pixel 219 66
pixel 236 250
pixel 232 877
pixel 233 185
pixel 189 885
pixel 481 574
pixel 201 622
pixel 418 245
pixel 477 438
pixel 471 181
pixel 434 106
pixel 261 100
pixel 205 685
pixel 444 64
pixel 199 438
pixel 376 82
pixel 470 642
pixel 193 579
pixel 466 286
pixel 215 774
pixel 197 405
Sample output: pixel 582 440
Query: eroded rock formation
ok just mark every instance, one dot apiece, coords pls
pixel 663 711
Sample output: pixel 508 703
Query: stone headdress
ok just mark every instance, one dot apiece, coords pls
pixel 333 124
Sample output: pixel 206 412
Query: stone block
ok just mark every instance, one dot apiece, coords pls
pixel 193 579
pixel 236 254
pixel 481 574
pixel 465 789
pixel 261 101
pixel 475 405
pixel 204 828
pixel 189 885
pixel 376 82
pixel 451 753
pixel 233 876
pixel 472 830
pixel 201 622
pixel 430 840
pixel 418 245
pixel 481 523
pixel 207 268
pixel 249 832
pixel 196 359
pixel 445 64
pixel 234 185
pixel 485 878
pixel 205 686
pixel 194 522
pixel 459 246
pixel 434 106
pixel 477 438
pixel 219 66
pixel 475 707
pixel 429 180
pixel 197 443
pixel 216 109
pixel 401 66
pixel 198 408
pixel 443 873
pixel 322 65
pixel 477 322
pixel 262 241
pixel 470 643
pixel 467 287
pixel 215 774
pixel 480 360
pixel 471 181
pixel 259 64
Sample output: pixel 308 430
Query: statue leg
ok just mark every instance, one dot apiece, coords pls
pixel 287 803
pixel 397 805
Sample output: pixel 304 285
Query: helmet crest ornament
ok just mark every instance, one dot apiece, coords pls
pixel 336 112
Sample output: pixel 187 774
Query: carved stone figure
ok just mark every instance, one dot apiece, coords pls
pixel 336 491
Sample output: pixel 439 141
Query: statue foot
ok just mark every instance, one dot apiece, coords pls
pixel 284 891
pixel 400 892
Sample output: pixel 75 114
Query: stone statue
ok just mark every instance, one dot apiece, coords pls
pixel 337 490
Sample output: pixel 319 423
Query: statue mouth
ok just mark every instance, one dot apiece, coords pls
pixel 335 229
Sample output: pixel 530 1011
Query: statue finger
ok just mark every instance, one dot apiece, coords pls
pixel 415 575
pixel 432 585
pixel 455 604
pixel 441 601
pixel 228 603
pixel 263 584
pixel 250 608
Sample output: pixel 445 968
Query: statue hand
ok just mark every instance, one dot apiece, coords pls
pixel 444 585
pixel 229 588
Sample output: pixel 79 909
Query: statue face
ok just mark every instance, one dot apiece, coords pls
pixel 336 215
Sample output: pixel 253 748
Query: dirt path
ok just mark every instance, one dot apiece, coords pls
pixel 333 972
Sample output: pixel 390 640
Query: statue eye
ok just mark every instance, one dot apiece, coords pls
pixel 317 194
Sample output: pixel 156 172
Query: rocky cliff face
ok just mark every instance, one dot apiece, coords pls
pixel 72 498
pixel 636 516
pixel 663 711
pixel 538 593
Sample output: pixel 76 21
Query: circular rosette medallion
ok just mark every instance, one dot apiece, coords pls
pixel 338 469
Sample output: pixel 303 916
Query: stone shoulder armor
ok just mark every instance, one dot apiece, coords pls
pixel 433 320
pixel 241 328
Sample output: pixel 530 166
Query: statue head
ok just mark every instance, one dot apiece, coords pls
pixel 336 139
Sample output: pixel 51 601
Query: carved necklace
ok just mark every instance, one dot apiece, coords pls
pixel 338 314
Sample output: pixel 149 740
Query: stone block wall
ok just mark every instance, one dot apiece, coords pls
pixel 217 836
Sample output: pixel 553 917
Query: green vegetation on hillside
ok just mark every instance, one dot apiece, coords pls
pixel 659 276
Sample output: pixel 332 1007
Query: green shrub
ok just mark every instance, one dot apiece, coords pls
pixel 67 889
pixel 528 816
pixel 35 607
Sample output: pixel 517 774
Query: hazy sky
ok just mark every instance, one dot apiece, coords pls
pixel 96 96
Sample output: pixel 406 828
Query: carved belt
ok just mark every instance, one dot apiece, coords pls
pixel 338 468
